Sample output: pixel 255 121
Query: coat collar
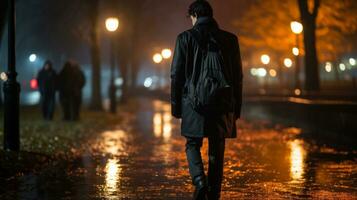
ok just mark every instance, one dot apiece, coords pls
pixel 206 21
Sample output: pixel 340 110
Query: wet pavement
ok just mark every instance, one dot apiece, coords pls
pixel 143 158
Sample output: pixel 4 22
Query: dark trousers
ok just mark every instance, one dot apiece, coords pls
pixel 215 164
pixel 48 106
pixel 71 108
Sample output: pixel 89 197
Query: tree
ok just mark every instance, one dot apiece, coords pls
pixel 132 42
pixel 96 101
pixel 311 61
pixel 89 32
pixel 266 26
pixel 125 50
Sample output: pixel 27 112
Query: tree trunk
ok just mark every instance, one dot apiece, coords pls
pixel 3 14
pixel 136 46
pixel 123 68
pixel 336 71
pixel 96 98
pixel 312 80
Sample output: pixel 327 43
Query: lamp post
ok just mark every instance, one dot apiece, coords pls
pixel 288 63
pixel 157 58
pixel 11 89
pixel 112 25
pixel 166 55
pixel 265 60
pixel 297 28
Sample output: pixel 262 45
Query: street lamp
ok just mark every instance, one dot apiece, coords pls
pixel 296 51
pixel 11 89
pixel 328 67
pixel 297 28
pixel 254 72
pixel 265 59
pixel 272 73
pixel 112 24
pixel 157 58
pixel 288 62
pixel 261 72
pixel 166 53
pixel 32 57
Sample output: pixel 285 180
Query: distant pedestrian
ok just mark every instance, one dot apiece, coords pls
pixel 46 79
pixel 206 92
pixel 71 81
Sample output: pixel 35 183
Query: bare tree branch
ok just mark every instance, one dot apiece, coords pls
pixel 317 4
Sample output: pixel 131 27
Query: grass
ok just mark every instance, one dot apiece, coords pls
pixel 56 137
pixel 45 142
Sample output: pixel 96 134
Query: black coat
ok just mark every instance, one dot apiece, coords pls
pixel 70 82
pixel 187 59
pixel 47 82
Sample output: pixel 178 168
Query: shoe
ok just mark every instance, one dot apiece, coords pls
pixel 201 189
pixel 213 195
pixel 200 194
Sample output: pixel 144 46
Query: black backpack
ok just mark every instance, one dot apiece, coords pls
pixel 209 92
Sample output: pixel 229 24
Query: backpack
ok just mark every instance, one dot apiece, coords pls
pixel 209 92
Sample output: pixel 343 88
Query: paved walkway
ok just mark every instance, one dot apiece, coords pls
pixel 143 158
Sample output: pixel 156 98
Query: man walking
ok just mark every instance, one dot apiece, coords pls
pixel 206 93
pixel 71 81
pixel 47 85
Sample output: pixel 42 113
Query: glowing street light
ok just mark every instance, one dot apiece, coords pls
pixel 297 92
pixel 112 24
pixel 157 58
pixel 296 27
pixel 342 66
pixel 3 76
pixel 272 73
pixel 288 62
pixel 32 57
pixel 265 59
pixel 254 72
pixel 352 61
pixel 328 67
pixel 148 82
pixel 261 72
pixel 166 53
pixel 296 51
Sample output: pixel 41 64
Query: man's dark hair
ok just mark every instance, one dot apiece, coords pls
pixel 200 8
pixel 49 63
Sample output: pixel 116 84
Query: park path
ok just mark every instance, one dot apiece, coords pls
pixel 143 158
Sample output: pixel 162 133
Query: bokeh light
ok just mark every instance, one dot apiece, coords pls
pixel 157 58
pixel 112 24
pixel 288 62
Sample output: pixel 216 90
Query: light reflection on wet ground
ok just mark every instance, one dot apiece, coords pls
pixel 143 158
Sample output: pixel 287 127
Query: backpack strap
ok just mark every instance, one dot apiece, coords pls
pixel 197 36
